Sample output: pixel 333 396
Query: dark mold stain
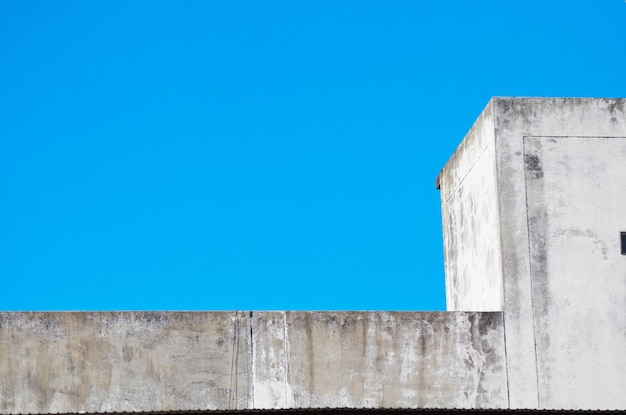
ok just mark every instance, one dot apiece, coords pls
pixel 311 353
pixel 127 353
pixel 616 105
pixel 533 165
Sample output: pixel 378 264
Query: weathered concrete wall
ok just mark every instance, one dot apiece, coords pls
pixel 469 207
pixel 395 360
pixel 561 203
pixel 576 210
pixel 69 362
pixel 551 117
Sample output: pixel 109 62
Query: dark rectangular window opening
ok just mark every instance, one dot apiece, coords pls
pixel 623 238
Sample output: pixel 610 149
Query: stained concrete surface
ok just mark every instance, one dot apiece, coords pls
pixel 70 362
pixel 400 360
pixel 515 119
pixel 469 208
pixel 561 199
pixel 577 208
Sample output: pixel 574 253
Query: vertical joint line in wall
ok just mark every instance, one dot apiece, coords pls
pixel 530 274
pixel 232 364
pixel 286 356
pixel 252 365
pixel 238 337
pixel 232 397
pixel 506 362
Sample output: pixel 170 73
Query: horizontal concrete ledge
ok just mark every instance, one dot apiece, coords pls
pixel 168 361
pixel 371 411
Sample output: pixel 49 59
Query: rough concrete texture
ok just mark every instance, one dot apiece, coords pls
pixel 469 208
pixel 559 166
pixel 70 362
pixel 403 360
pixel 576 210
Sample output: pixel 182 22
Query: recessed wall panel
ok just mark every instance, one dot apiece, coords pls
pixel 576 200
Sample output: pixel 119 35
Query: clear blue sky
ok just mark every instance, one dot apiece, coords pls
pixel 223 155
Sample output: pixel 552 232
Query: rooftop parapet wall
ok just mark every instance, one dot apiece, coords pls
pixel 104 362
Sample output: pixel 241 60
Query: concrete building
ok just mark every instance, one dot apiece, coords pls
pixel 534 218
pixel 534 206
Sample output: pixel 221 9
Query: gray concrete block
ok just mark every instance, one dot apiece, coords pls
pixel 106 362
